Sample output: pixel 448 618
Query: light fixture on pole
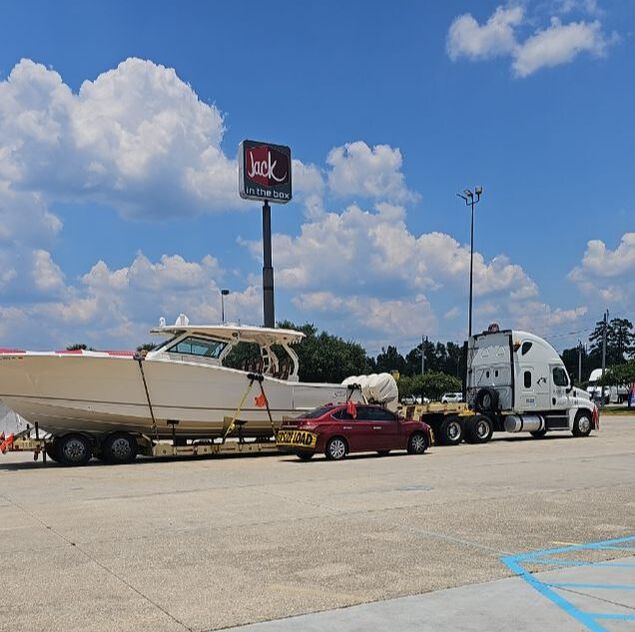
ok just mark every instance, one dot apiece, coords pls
pixel 223 294
pixel 471 198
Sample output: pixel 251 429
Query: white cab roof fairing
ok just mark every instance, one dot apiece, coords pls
pixel 263 336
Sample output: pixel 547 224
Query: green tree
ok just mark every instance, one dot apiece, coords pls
pixel 621 374
pixel 322 356
pixel 77 347
pixel 431 385
pixel 620 341
pixel 390 360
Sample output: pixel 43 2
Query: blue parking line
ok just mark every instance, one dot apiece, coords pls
pixel 549 590
pixel 617 617
pixel 560 562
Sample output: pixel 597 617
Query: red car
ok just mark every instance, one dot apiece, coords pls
pixel 337 429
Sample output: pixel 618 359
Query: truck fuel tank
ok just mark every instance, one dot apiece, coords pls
pixel 524 423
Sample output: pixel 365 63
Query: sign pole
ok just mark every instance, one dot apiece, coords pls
pixel 264 174
pixel 267 268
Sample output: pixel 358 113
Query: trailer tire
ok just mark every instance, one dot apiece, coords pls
pixel 52 450
pixel 538 434
pixel 583 424
pixel 119 447
pixel 451 431
pixel 486 400
pixel 304 456
pixel 383 452
pixel 74 449
pixel 479 429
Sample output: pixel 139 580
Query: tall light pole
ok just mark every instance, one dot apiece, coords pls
pixel 223 294
pixel 471 198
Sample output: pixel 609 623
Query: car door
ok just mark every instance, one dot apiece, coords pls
pixel 386 430
pixel 357 431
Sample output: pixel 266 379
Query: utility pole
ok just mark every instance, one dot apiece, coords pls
pixel 579 361
pixel 606 321
pixel 423 354
pixel 471 198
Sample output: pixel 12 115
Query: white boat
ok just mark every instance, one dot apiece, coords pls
pixel 182 386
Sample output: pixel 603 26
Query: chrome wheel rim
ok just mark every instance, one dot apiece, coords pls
pixel 584 424
pixel 337 449
pixel 482 429
pixel 74 450
pixel 418 444
pixel 454 430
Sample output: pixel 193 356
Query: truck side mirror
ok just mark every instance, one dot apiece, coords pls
pixel 569 388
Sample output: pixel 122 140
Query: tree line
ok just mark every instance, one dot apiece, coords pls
pixel 620 348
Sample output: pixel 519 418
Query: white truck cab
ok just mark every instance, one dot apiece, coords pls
pixel 518 380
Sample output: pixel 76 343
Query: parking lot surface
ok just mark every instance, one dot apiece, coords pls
pixel 211 543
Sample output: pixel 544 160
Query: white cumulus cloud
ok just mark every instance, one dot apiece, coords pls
pixel 373 172
pixel 557 44
pixel 468 38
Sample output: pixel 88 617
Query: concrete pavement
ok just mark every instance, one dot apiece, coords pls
pixel 210 543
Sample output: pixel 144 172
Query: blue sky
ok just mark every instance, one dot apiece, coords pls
pixel 119 198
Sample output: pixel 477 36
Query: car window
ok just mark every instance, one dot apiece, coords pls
pixel 560 376
pixel 526 347
pixel 343 414
pixel 379 414
pixel 316 412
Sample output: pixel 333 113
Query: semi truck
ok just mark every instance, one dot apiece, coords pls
pixel 515 382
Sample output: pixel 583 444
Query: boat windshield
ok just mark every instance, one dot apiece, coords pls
pixel 199 347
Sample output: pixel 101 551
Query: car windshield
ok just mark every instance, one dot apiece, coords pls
pixel 316 412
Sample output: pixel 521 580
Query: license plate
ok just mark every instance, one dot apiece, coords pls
pixel 298 438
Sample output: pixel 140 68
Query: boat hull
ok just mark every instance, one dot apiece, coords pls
pixel 66 393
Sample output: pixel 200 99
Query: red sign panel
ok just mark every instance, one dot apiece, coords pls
pixel 265 171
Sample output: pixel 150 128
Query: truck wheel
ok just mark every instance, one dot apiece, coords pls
pixel 451 431
pixel 479 429
pixel 304 456
pixel 74 449
pixel 538 434
pixel 119 447
pixel 583 424
pixel 417 444
pixel 335 449
pixel 383 452
pixel 53 450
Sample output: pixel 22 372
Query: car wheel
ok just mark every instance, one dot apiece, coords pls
pixel 120 447
pixel 305 456
pixel 417 444
pixel 451 431
pixel 479 429
pixel 336 449
pixel 583 424
pixel 538 434
pixel 74 449
pixel 383 452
